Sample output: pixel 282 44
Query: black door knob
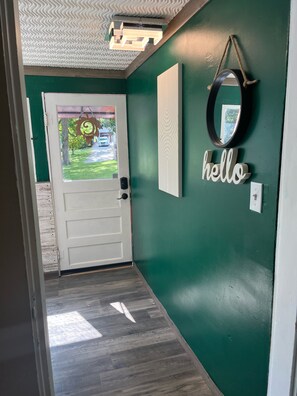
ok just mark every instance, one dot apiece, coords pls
pixel 124 196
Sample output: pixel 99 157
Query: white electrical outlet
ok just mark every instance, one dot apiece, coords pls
pixel 256 197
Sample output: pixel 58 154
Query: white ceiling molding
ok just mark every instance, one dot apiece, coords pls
pixel 71 33
pixel 73 72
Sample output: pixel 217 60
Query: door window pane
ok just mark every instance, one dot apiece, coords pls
pixel 88 142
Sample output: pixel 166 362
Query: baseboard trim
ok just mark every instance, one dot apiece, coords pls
pixel 212 386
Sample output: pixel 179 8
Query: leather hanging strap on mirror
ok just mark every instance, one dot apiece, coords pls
pixel 232 40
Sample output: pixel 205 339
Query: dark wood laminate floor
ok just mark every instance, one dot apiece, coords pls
pixel 108 337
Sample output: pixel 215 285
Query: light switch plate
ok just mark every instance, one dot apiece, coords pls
pixel 256 197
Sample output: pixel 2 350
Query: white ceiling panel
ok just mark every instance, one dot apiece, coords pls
pixel 71 33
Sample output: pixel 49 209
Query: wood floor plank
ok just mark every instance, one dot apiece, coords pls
pixel 148 353
pixel 119 343
pixel 183 384
pixel 144 372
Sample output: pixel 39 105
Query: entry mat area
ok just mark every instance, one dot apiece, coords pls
pixel 108 337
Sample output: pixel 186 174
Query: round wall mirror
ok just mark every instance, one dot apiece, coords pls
pixel 227 108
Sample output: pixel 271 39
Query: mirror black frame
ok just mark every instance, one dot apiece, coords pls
pixel 245 103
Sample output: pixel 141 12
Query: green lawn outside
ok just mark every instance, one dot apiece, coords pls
pixel 80 170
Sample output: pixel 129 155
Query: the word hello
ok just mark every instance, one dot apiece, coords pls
pixel 227 171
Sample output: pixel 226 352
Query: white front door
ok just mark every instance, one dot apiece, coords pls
pixel 88 155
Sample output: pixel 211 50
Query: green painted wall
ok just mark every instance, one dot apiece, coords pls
pixel 35 85
pixel 208 258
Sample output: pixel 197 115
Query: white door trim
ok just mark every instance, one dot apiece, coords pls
pixel 26 187
pixel 285 285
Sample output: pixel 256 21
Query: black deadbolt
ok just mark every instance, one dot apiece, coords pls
pixel 124 183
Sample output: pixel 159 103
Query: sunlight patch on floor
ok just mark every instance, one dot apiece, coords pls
pixel 68 328
pixel 121 307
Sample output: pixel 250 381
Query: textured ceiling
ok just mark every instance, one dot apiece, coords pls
pixel 70 33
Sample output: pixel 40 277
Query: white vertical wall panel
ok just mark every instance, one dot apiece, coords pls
pixel 170 131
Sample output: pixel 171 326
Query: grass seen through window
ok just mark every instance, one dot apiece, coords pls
pixel 81 169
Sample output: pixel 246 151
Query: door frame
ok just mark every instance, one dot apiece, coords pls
pixel 283 341
pixel 26 187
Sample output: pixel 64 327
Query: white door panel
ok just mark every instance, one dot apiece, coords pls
pixel 93 227
pixel 93 224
